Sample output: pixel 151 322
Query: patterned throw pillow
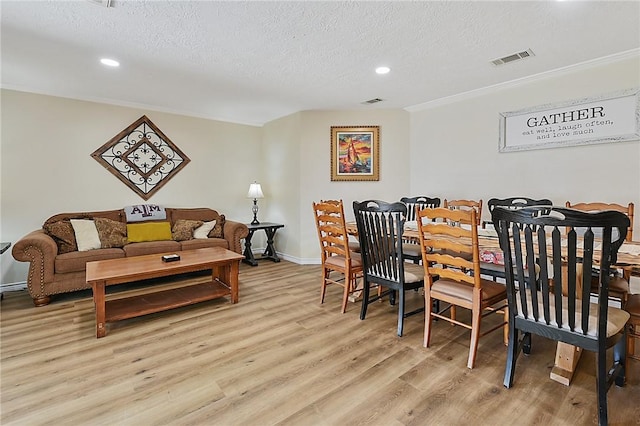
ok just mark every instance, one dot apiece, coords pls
pixel 218 230
pixel 62 233
pixel 183 229
pixel 111 233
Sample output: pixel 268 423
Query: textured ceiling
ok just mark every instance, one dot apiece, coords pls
pixel 252 62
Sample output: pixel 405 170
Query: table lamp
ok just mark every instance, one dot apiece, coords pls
pixel 255 192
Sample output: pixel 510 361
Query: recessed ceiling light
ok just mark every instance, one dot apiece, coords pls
pixel 109 62
pixel 383 70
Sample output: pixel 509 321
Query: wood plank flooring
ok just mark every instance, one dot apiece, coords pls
pixel 278 357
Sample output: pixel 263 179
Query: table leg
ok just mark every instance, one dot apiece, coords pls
pixel 233 269
pixel 567 356
pixel 248 253
pixel 270 252
pixel 99 302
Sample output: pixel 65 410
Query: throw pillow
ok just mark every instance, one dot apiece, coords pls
pixel 86 234
pixel 218 229
pixel 62 233
pixel 183 229
pixel 202 233
pixel 150 231
pixel 111 233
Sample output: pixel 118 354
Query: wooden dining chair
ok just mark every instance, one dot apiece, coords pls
pixel 539 306
pixel 619 283
pixel 334 250
pixel 491 269
pixel 411 248
pixel 466 205
pixel 380 228
pixel 450 252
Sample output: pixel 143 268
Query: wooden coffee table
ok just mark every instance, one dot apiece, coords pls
pixel 224 265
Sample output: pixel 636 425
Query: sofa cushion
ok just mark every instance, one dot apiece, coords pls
pixel 209 242
pixel 151 247
pixel 183 229
pixel 202 232
pixel 203 214
pixel 149 231
pixel 111 233
pixel 218 229
pixel 62 233
pixel 86 234
pixel 117 215
pixel 76 261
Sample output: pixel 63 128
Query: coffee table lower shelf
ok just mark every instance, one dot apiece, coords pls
pixel 135 306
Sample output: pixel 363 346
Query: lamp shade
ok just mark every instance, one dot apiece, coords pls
pixel 255 191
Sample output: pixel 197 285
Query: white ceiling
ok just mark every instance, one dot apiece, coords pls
pixel 252 62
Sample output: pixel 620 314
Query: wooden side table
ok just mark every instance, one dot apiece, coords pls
pixel 270 252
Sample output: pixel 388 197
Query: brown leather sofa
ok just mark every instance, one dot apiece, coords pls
pixel 52 273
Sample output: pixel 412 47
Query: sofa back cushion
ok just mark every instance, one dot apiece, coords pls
pixel 203 214
pixel 109 214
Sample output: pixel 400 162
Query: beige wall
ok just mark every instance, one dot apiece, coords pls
pixel 46 144
pixel 454 148
pixel 47 141
pixel 298 147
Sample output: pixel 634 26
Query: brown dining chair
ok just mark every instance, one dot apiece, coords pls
pixel 466 205
pixel 451 253
pixel 411 248
pixel 540 307
pixel 337 258
pixel 619 282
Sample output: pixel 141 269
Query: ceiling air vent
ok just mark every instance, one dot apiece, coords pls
pixel 372 101
pixel 511 58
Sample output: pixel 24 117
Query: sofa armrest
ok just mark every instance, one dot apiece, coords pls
pixel 233 233
pixel 40 250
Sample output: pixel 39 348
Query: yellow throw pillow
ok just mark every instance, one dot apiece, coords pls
pixel 149 231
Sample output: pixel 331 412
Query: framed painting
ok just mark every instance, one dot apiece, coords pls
pixel 355 153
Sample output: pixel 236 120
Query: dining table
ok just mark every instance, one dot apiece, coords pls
pixel 567 356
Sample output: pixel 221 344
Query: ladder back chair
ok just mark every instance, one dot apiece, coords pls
pixel 411 248
pixel 513 203
pixel 380 227
pixel 466 205
pixel 334 250
pixel 619 283
pixel 451 252
pixel 541 306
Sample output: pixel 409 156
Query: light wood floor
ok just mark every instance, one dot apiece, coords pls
pixel 277 357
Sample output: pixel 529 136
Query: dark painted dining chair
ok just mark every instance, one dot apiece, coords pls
pixel 380 228
pixel 411 248
pixel 513 203
pixel 557 304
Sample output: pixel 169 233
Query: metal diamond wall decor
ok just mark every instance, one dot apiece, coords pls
pixel 142 157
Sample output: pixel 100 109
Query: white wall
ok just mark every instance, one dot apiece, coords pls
pixel 47 167
pixel 454 148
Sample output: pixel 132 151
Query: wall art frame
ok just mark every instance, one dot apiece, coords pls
pixel 142 157
pixel 355 153
pixel 613 117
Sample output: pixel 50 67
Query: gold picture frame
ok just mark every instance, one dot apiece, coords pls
pixel 355 153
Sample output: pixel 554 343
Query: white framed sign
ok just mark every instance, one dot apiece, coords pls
pixel 602 119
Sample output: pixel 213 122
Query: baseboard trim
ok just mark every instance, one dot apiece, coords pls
pixel 13 287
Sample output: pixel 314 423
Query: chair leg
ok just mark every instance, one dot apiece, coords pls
pixel 323 287
pixel 512 357
pixel 365 298
pixel 427 319
pixel 348 283
pixel 400 312
pixel 601 385
pixel 620 359
pixel 476 317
